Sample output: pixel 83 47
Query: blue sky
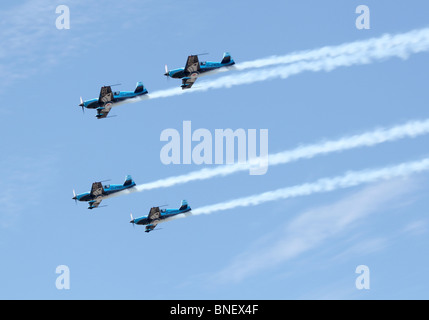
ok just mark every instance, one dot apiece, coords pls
pixel 304 247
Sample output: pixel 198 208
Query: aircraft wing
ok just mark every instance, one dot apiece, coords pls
pixel 94 203
pixel 102 112
pixel 105 101
pixel 106 95
pixel 97 189
pixel 150 227
pixel 192 64
pixel 188 82
pixel 154 213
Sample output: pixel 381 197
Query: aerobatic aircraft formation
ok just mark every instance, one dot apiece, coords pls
pixel 109 99
pixel 189 74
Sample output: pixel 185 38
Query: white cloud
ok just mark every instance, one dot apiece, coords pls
pixel 24 183
pixel 363 247
pixel 313 228
pixel 29 39
pixel 31 42
pixel 416 228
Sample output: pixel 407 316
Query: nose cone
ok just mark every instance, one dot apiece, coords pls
pixel 74 198
pixel 81 104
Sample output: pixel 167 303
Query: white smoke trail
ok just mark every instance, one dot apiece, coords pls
pixel 370 47
pixel 350 179
pixel 324 59
pixel 410 129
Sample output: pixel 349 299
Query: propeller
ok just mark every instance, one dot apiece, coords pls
pixel 132 220
pixel 74 196
pixel 82 105
pixel 167 73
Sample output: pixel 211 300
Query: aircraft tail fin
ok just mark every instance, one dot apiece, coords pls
pixel 184 205
pixel 128 181
pixel 139 87
pixel 226 58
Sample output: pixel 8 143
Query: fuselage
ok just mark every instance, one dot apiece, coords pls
pixel 118 96
pixel 204 68
pixel 107 190
pixel 165 214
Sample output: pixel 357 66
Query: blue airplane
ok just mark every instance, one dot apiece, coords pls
pixel 108 99
pixel 157 215
pixel 100 192
pixel 195 69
